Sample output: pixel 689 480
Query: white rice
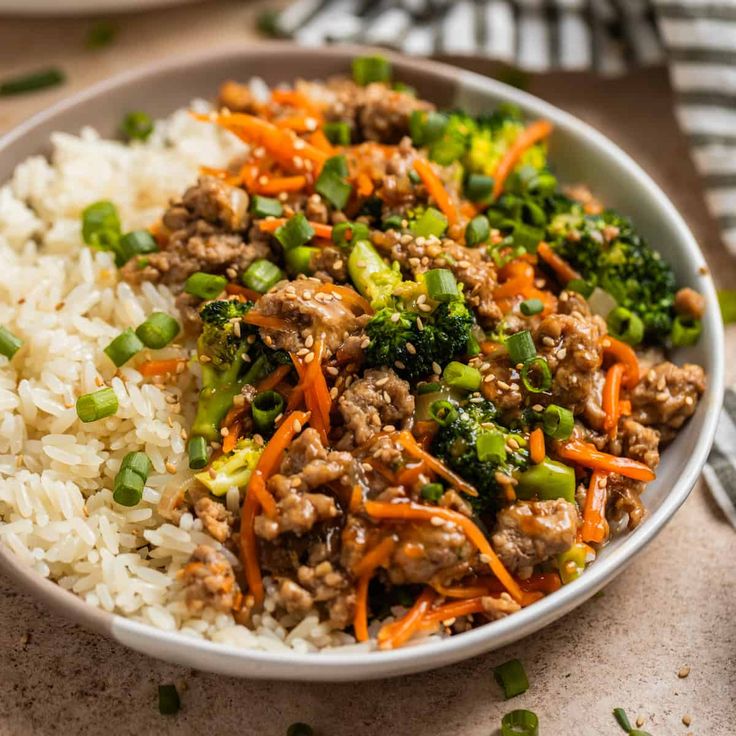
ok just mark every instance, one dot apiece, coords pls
pixel 66 302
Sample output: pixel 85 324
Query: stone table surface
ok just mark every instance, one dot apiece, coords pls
pixel 673 607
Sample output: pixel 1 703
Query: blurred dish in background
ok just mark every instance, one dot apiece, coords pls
pixel 80 7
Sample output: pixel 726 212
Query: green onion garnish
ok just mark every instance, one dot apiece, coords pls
pixel 685 331
pixel 158 330
pixel 521 347
pixel 520 723
pixel 97 405
pixel 446 150
pixel 473 346
pixel 547 480
pixel 625 325
pixel 345 234
pixel 727 302
pixel 266 206
pixel 512 678
pixel 204 285
pixel 443 412
pixel 337 165
pixel 261 275
pixel 101 226
pixel 432 491
pixel 428 388
pixel 478 187
pixel 490 447
pixel 299 729
pixel 622 719
pixel 296 231
pixel 571 563
pixel 530 307
pixel 536 375
pixel 337 133
pixel 407 89
pixel 580 286
pixel 31 82
pixel 128 487
pixel 367 69
pixel 168 700
pixel 392 222
pixel 432 223
pixel 299 260
pixel 459 375
pixel 122 348
pixel 557 422
pixel 477 230
pixel 441 285
pixel 266 407
pixel 197 453
pixel 137 243
pixel 9 343
pixel 414 177
pixel 136 126
pixel 101 34
pixel 138 462
pixel 333 188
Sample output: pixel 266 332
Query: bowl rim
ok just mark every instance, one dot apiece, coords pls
pixel 333 665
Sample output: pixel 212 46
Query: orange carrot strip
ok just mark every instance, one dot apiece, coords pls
pixel 257 487
pixel 319 140
pixel 296 98
pixel 415 512
pixel 393 635
pixel 280 184
pixel 412 447
pixel 297 123
pixel 273 379
pixel 274 223
pixel 375 557
pixel 532 134
pixel 365 185
pixel 536 446
pixel 625 354
pixel 266 320
pixel 290 426
pixel 244 291
pixel 316 393
pixel 249 548
pixel 360 619
pixel 595 526
pixel 436 188
pixel 460 591
pixel 624 407
pixel 454 610
pixel 232 436
pixel 356 498
pixel 160 367
pixel 348 295
pixel 611 398
pixel 563 270
pixel 588 456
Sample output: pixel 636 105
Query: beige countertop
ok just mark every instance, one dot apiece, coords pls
pixel 673 607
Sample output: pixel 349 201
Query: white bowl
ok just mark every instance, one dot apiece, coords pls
pixel 578 153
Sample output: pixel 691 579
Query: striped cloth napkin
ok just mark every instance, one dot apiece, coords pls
pixel 696 38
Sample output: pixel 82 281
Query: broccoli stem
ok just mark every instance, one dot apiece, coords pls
pixel 371 275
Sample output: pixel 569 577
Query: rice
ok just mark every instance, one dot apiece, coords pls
pixel 66 302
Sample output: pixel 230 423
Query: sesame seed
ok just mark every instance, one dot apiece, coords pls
pixel 420 324
pixel 639 721
pixel 399 365
pixel 302 352
pixel 513 444
pixel 488 378
pixel 395 317
pixel 538 407
pixel 309 358
pixel 387 397
pixel 236 328
pixel 365 342
pixel 411 349
pixel 296 425
pixel 307 294
pixel 382 381
pixel 683 672
pixel 485 559
pixel 436 521
pixel 686 720
pixel 389 428
pixel 549 341
pixel 337 265
pixel 334 392
pixel 421 299
pixel 170 468
pixel 436 368
pixel 425 307
pixel 332 370
pixel 503 385
pixel 562 353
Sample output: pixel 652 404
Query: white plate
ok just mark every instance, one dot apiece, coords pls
pixel 81 7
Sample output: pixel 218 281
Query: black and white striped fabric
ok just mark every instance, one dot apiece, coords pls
pixel 720 472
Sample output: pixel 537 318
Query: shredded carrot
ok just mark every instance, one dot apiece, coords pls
pixel 536 446
pixel 563 270
pixel 298 99
pixel 460 591
pixel 411 473
pixel 532 134
pixel 375 557
pixel 266 320
pixel 436 189
pixel 319 140
pixel 257 487
pixel 406 439
pixel 297 123
pixel 278 184
pixel 624 407
pixel 588 456
pixel 274 223
pixel 365 185
pixel 314 389
pixel 611 398
pixel 625 354
pixel 416 512
pixel 543 582
pixel 360 620
pixel 595 526
pixel 160 367
pixel 231 438
pixel 356 498
pixel 393 635
pixel 249 548
pixel 454 610
pixel 519 284
pixel 244 291
pixel 273 379
pixel 348 296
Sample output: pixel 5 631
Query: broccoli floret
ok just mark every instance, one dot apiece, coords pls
pixel 230 357
pixel 233 469
pixel 456 444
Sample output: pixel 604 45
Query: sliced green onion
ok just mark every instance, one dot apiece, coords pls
pixel 520 723
pixel 432 223
pixel 432 491
pixel 414 177
pixel 426 127
pixel 622 719
pixel 299 729
pixel 266 407
pixel 392 222
pixel 197 453
pixel 333 188
pixel 446 150
pixel 490 447
pixel 405 88
pixel 158 330
pixel 101 225
pixel 261 275
pixel 138 462
pixel 31 82
pixel 299 259
pixel 345 234
pixel 137 126
pixel 337 165
pixel 527 237
pixel 473 346
pixel 521 347
pixel 727 303
pixel 580 286
pixel 547 480
pixel 296 231
pixel 266 207
pixel 478 187
pixel 428 388
pixel 337 133
pixel 9 343
pixel 459 375
pixel 441 285
pixel 122 348
pixel 536 375
pixel 571 563
pixel 168 700
pixel 625 325
pixel 204 285
pixel 367 69
pixel 128 487
pixel 97 405
pixel 477 230
pixel 557 422
pixel 530 307
pixel 443 412
pixel 685 331
pixel 512 678
pixel 137 243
